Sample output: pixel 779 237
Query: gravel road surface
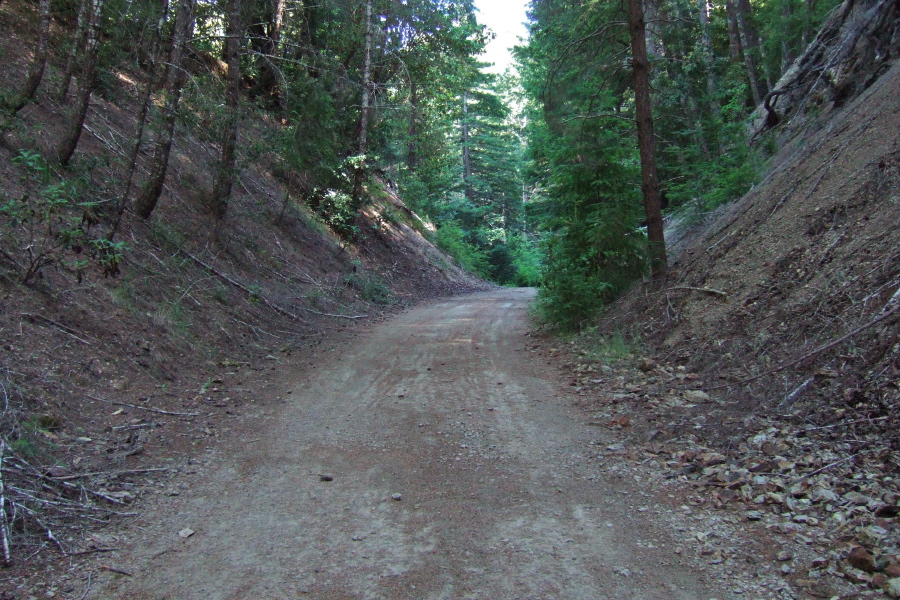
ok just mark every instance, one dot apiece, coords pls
pixel 435 456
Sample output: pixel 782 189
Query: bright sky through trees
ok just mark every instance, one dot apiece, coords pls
pixel 506 18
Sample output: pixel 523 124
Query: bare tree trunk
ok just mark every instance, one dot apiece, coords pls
pixel 747 45
pixel 735 47
pixel 689 107
pixel 752 47
pixel 466 155
pixel 265 40
pixel 225 178
pixel 655 47
pixel 644 119
pixel 184 27
pixel 364 117
pixel 77 43
pixel 36 72
pixel 706 47
pixel 271 71
pixel 412 158
pixel 807 23
pixel 87 82
pixel 367 83
pixel 152 78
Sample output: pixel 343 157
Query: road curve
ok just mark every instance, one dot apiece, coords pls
pixel 459 471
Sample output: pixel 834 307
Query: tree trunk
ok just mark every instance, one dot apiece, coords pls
pixel 746 41
pixel 152 78
pixel 807 23
pixel 364 117
pixel 412 159
pixel 655 47
pixel 706 47
pixel 689 107
pixel 752 47
pixel 87 82
pixel 367 84
pixel 77 43
pixel 466 155
pixel 266 41
pixel 36 72
pixel 787 53
pixel 184 26
pixel 644 119
pixel 735 48
pixel 225 179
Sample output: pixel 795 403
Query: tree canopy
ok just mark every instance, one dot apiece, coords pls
pixel 530 178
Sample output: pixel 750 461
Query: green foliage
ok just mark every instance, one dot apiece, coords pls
pixel 551 190
pixel 338 209
pixel 786 26
pixel 171 315
pixel 33 164
pixel 369 286
pixel 166 235
pixel 586 176
pixel 588 264
pixel 201 110
pixel 312 143
pixel 500 263
pixel 581 143
pixel 125 297
pixel 608 349
pixel 220 294
pixel 528 259
pixel 451 238
pixel 52 226
pixel 255 293
pixel 108 254
pixel 30 439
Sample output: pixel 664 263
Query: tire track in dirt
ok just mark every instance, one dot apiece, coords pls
pixel 444 406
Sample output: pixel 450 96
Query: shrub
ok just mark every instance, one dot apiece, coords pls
pixel 451 238
pixel 53 226
pixel 588 265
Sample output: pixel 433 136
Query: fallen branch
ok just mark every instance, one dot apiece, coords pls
pixel 846 424
pixel 826 467
pixel 94 493
pixel 147 408
pixel 109 473
pixel 92 551
pixel 241 286
pixel 789 400
pixel 88 588
pixel 699 289
pixel 104 141
pixel 315 312
pixel 52 537
pixel 140 426
pixel 4 525
pixel 31 496
pixel 116 570
pixel 819 350
pixel 59 326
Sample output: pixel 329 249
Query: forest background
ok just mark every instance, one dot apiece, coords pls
pixel 529 178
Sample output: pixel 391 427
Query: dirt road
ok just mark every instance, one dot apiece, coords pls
pixel 459 471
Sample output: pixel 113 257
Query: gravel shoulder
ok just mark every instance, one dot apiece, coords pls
pixel 435 456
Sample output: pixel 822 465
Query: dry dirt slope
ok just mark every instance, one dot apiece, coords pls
pixel 810 254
